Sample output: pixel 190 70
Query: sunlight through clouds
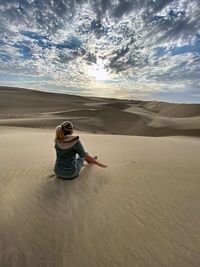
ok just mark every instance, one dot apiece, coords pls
pixel 98 71
pixel 93 44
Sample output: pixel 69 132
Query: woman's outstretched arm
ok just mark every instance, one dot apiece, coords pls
pixel 90 159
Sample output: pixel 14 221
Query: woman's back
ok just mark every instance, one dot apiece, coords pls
pixel 66 152
pixel 67 147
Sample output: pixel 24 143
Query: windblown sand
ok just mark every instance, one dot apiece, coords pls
pixel 143 210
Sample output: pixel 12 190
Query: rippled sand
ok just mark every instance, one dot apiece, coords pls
pixel 143 210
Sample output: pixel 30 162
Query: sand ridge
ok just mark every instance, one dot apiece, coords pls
pixel 35 109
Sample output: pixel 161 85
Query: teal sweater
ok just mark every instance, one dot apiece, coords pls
pixel 65 165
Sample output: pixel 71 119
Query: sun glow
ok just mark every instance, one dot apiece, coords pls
pixel 98 71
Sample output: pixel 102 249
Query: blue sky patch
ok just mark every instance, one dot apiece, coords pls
pixel 72 43
pixel 25 51
pixel 4 56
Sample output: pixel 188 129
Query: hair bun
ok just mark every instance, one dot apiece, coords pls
pixel 67 127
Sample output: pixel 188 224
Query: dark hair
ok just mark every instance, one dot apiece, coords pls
pixel 66 131
pixel 67 127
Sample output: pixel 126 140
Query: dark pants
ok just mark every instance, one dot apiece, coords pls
pixel 79 165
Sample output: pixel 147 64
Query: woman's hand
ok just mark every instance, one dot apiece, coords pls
pixel 90 159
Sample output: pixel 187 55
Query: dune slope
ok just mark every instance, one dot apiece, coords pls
pixel 28 108
pixel 143 210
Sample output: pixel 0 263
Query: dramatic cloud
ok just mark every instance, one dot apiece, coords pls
pixel 118 48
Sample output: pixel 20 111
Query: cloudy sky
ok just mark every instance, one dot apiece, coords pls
pixel 143 49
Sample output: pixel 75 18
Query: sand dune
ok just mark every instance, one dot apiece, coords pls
pixel 28 108
pixel 173 110
pixel 141 211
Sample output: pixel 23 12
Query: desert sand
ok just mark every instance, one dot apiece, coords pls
pixel 35 109
pixel 143 210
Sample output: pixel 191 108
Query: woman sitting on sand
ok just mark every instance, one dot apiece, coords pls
pixel 67 166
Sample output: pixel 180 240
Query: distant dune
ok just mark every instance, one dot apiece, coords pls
pixel 29 108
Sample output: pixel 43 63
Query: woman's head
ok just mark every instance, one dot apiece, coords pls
pixel 65 128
